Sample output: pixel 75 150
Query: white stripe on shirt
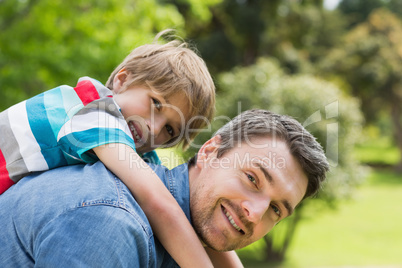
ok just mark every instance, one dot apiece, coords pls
pixel 94 119
pixel 29 148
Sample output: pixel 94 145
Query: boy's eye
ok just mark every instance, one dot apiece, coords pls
pixel 170 130
pixel 157 104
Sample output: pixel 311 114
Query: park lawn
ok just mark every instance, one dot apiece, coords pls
pixel 364 231
pixel 377 151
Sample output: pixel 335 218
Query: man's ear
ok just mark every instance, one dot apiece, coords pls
pixel 208 150
pixel 119 79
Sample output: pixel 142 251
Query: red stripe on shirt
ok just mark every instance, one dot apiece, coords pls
pixel 5 181
pixel 86 91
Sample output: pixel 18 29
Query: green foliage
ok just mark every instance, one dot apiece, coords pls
pixel 195 10
pixel 370 62
pixel 234 34
pixel 302 35
pixel 239 32
pixel 357 11
pixel 52 42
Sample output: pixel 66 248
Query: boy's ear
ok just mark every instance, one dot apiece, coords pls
pixel 119 80
pixel 208 150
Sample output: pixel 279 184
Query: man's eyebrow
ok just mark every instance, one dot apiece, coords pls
pixel 266 173
pixel 288 207
pixel 285 203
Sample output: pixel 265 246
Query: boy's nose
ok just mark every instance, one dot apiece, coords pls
pixel 156 125
pixel 255 209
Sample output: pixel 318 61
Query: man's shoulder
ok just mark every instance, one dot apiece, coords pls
pixel 82 205
pixel 71 187
pixel 96 235
pixel 160 170
pixel 171 176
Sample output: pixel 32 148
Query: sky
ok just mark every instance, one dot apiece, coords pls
pixel 331 4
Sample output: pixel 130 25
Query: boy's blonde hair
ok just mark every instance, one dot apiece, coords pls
pixel 169 69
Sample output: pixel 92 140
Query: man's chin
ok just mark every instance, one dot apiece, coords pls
pixel 220 245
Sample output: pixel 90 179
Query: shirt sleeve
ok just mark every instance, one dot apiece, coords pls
pixel 152 158
pixel 96 124
pixel 93 236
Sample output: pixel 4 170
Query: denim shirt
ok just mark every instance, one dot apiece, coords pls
pixel 82 216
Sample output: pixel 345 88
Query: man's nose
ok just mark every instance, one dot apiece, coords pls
pixel 255 209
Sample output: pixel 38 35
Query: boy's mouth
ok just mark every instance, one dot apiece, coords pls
pixel 135 131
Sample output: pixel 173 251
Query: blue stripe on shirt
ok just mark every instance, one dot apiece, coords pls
pixel 72 103
pixel 55 111
pixel 77 144
pixel 41 130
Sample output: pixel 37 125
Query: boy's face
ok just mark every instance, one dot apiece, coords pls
pixel 153 120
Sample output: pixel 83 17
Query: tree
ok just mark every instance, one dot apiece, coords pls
pixel 45 43
pixel 295 32
pixel 357 11
pixel 370 62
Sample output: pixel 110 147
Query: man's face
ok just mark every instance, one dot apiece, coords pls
pixel 238 198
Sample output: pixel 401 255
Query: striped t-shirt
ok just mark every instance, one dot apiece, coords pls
pixel 57 128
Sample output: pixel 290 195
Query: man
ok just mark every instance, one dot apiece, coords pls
pixel 249 176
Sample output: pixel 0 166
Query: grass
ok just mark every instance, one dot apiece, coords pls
pixel 379 151
pixel 364 231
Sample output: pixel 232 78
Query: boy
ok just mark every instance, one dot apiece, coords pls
pixel 149 101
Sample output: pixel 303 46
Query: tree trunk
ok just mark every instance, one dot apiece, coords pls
pixel 396 116
pixel 275 251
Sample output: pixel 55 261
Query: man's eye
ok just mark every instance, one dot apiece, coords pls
pixel 252 179
pixel 276 210
pixel 170 130
pixel 157 104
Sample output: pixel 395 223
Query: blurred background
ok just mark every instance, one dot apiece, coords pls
pixel 336 66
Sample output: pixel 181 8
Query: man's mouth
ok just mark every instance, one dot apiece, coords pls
pixel 232 222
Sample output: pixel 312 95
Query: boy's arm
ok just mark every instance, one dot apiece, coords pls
pixel 167 219
pixel 227 259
